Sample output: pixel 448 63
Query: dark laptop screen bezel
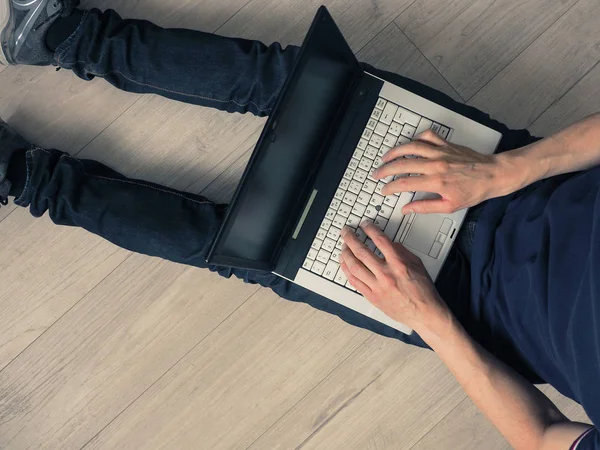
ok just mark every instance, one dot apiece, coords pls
pixel 323 25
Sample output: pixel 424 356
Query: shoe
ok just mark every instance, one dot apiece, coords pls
pixel 10 142
pixel 23 27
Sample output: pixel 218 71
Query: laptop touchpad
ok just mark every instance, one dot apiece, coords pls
pixel 423 232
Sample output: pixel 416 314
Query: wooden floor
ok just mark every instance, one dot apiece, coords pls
pixel 103 348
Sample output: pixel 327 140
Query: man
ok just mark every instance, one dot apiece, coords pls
pixel 520 296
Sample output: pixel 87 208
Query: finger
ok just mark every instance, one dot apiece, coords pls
pixel 383 243
pixel 429 206
pixel 358 285
pixel 402 166
pixel 361 252
pixel 417 148
pixel 431 137
pixel 423 183
pixel 355 267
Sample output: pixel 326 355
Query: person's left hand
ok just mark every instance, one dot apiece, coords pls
pixel 398 285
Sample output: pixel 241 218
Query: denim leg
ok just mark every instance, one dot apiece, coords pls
pixel 234 75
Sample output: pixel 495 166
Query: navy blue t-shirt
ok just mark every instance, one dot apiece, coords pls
pixel 535 283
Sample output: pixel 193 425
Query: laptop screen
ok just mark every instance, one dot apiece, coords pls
pixel 295 139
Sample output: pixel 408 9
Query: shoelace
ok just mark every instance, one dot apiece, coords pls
pixel 67 8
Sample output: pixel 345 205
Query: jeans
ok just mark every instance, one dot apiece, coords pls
pixel 233 75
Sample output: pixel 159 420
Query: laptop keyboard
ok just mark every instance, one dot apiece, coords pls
pixel 359 196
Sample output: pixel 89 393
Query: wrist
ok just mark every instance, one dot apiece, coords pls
pixel 512 171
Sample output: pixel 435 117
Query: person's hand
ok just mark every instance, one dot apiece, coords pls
pixel 398 285
pixel 460 176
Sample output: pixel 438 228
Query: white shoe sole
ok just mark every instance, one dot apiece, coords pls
pixel 4 18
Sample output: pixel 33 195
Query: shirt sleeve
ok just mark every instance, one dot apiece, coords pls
pixel 589 440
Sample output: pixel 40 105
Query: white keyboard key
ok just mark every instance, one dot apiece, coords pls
pixel 424 124
pixel 397 217
pixel 358 209
pixel 333 233
pixel 307 264
pixel 390 201
pixel 335 254
pixel 353 221
pixel 370 244
pixel 371 212
pixel 353 164
pixel 339 194
pixel 402 140
pixel 321 234
pixel 378 253
pixel 350 198
pixel 371 124
pixel 360 175
pixel 365 164
pixel 369 186
pixel 371 152
pixel 444 132
pixel 406 116
pixel 385 211
pixel 371 173
pixel 377 163
pixel 344 210
pixel 390 140
pixel 395 128
pixel 376 200
pixel 367 134
pixel 380 222
pixel 338 244
pixel 329 245
pixel 388 113
pixel 318 268
pixel 408 131
pixel 312 254
pixel 323 256
pixel 340 277
pixel 380 104
pixel 317 244
pixel 381 128
pixel 330 214
pixel 331 270
pixel 344 184
pixel 435 127
pixel 358 153
pixel 376 141
pixel 361 235
pixel 364 198
pixel 326 223
pixel 339 221
pixel 379 187
pixel 376 114
pixel 383 150
pixel 335 204
pixel 362 144
pixel 348 174
pixel 355 187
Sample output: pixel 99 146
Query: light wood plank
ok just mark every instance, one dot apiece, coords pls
pixel 109 349
pixel 287 21
pixel 546 70
pixel 392 51
pixel 237 382
pixel 579 102
pixel 470 42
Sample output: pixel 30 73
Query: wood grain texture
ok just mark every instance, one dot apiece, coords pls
pixel 546 70
pixel 579 102
pixel 288 21
pixel 392 51
pixel 470 42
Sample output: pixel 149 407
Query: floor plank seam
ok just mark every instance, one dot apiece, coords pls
pixel 539 36
pixel 232 16
pixel 216 327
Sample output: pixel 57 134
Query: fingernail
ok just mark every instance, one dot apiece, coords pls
pixel 408 211
pixel 365 223
pixel 341 258
pixel 344 231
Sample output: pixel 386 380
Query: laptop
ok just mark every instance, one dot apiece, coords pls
pixel 311 174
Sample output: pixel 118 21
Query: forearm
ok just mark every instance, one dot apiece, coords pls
pixel 575 148
pixel 518 410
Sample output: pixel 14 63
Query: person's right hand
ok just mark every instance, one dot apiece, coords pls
pixel 460 176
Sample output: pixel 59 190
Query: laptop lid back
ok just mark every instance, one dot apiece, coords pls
pixel 294 142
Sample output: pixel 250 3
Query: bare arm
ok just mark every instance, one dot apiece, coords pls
pixel 400 287
pixel 465 178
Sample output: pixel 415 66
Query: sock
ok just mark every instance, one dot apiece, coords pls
pixel 17 173
pixel 62 28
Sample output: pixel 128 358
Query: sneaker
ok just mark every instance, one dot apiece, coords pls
pixel 23 27
pixel 10 142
